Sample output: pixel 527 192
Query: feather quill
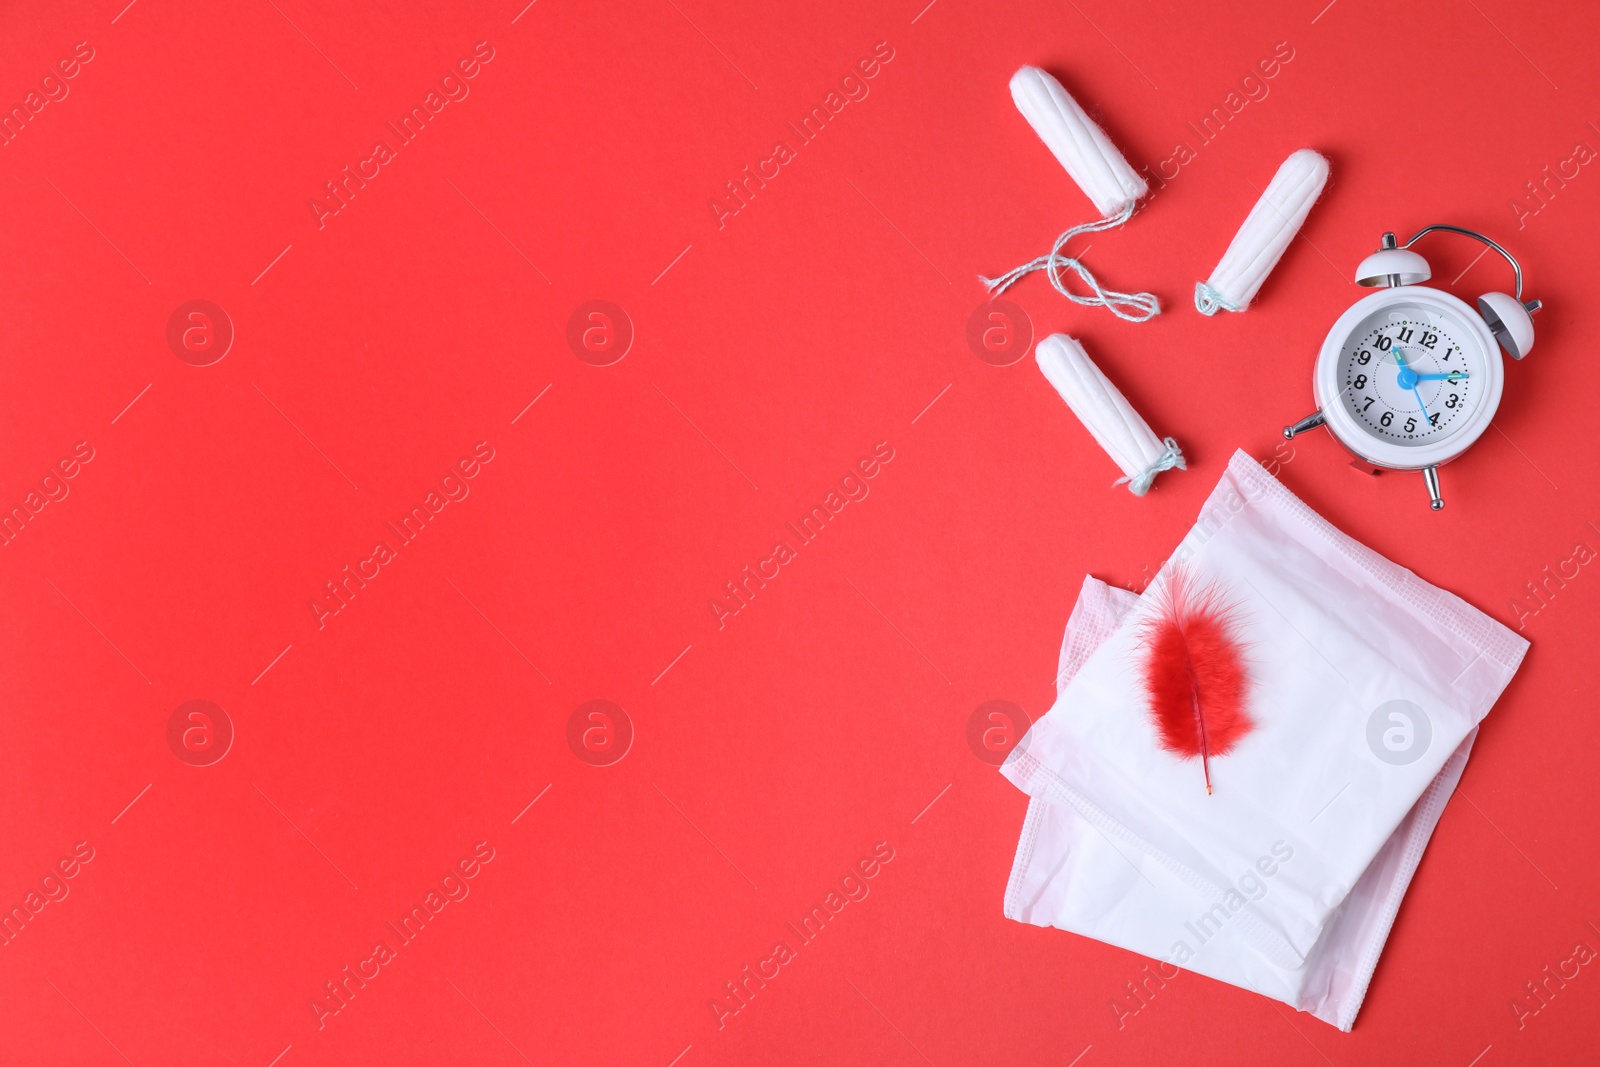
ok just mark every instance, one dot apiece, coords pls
pixel 1195 673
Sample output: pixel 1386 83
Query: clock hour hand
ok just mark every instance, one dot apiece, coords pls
pixel 1405 376
pixel 1408 379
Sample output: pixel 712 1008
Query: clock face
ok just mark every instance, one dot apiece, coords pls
pixel 1412 373
pixel 1408 378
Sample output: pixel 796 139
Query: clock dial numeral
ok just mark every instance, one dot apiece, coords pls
pixel 1453 401
pixel 1360 382
pixel 1364 357
pixel 1433 419
pixel 1405 334
pixel 1429 340
pixel 1388 417
pixel 1384 342
pixel 1367 405
pixel 1411 424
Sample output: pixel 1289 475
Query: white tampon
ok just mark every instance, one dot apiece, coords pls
pixel 1103 175
pixel 1119 429
pixel 1266 232
pixel 1081 146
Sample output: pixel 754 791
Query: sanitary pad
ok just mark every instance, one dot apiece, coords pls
pixel 1368 687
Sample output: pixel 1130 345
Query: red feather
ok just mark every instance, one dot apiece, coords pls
pixel 1195 672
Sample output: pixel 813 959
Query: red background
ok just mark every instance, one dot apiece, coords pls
pixel 770 354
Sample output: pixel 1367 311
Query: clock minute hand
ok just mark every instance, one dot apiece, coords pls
pixel 1448 376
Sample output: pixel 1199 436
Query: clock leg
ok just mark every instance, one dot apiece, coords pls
pixel 1310 422
pixel 1430 477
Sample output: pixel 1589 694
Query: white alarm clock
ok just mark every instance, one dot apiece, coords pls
pixel 1410 377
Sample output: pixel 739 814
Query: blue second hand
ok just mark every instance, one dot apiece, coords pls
pixel 1421 405
pixel 1407 379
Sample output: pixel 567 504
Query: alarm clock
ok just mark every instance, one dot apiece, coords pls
pixel 1410 377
